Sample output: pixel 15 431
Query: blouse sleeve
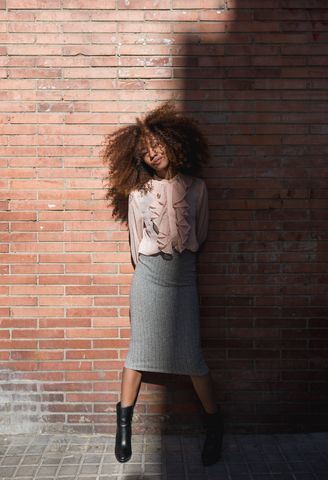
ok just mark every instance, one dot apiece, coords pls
pixel 135 220
pixel 202 216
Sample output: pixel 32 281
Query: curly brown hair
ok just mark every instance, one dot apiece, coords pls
pixel 186 145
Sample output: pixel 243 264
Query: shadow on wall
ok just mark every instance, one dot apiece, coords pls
pixel 262 305
pixel 255 76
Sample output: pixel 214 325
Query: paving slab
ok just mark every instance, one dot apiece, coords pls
pixel 164 457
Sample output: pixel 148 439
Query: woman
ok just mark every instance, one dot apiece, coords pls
pixel 155 162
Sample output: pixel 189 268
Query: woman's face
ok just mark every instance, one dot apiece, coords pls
pixel 154 155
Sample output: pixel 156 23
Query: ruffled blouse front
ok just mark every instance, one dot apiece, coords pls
pixel 170 211
pixel 174 214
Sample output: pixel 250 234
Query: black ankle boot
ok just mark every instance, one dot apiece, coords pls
pixel 214 436
pixel 123 450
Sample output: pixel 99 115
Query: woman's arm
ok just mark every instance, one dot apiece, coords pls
pixel 135 220
pixel 202 215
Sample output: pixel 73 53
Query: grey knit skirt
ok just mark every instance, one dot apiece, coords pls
pixel 164 314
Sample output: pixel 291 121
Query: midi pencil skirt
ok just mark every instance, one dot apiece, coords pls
pixel 164 314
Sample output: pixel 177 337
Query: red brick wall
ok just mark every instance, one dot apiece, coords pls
pixel 255 73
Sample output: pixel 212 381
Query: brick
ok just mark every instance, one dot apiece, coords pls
pixel 171 16
pixel 64 322
pixel 303 26
pixel 253 4
pixel 280 84
pixel 283 38
pixel 280 61
pixel 35 269
pixel 302 50
pixel 36 290
pixel 149 73
pixel 253 27
pixel 65 258
pixel 42 312
pixel 198 28
pixel 217 39
pixel 89 4
pixel 144 28
pixel 64 344
pixel 194 4
pixel 95 333
pixel 42 333
pixel 65 301
pixel 303 4
pixel 27 355
pixel 196 73
pixel 65 280
pixel 111 312
pixel 281 15
pixel 19 258
pixel 36 184
pixel 36 247
pixel 93 268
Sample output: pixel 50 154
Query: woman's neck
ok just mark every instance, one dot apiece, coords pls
pixel 167 174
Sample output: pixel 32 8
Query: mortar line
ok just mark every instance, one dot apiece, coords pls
pixel 284 457
pixel 102 460
pixel 23 456
pixel 226 464
pixel 164 470
pixel 143 457
pixel 250 475
pixel 39 465
pixel 5 453
pixel 81 459
pixel 305 459
pixel 61 460
pixel 265 459
pixel 184 459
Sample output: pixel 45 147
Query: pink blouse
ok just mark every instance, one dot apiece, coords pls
pixel 173 214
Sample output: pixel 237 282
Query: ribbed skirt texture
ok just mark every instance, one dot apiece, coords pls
pixel 164 314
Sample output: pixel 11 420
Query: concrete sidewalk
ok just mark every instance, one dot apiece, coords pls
pixel 169 457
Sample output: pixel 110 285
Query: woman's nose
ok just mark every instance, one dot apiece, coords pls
pixel 151 152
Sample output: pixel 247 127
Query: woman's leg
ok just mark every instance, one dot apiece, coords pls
pixel 131 380
pixel 204 387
